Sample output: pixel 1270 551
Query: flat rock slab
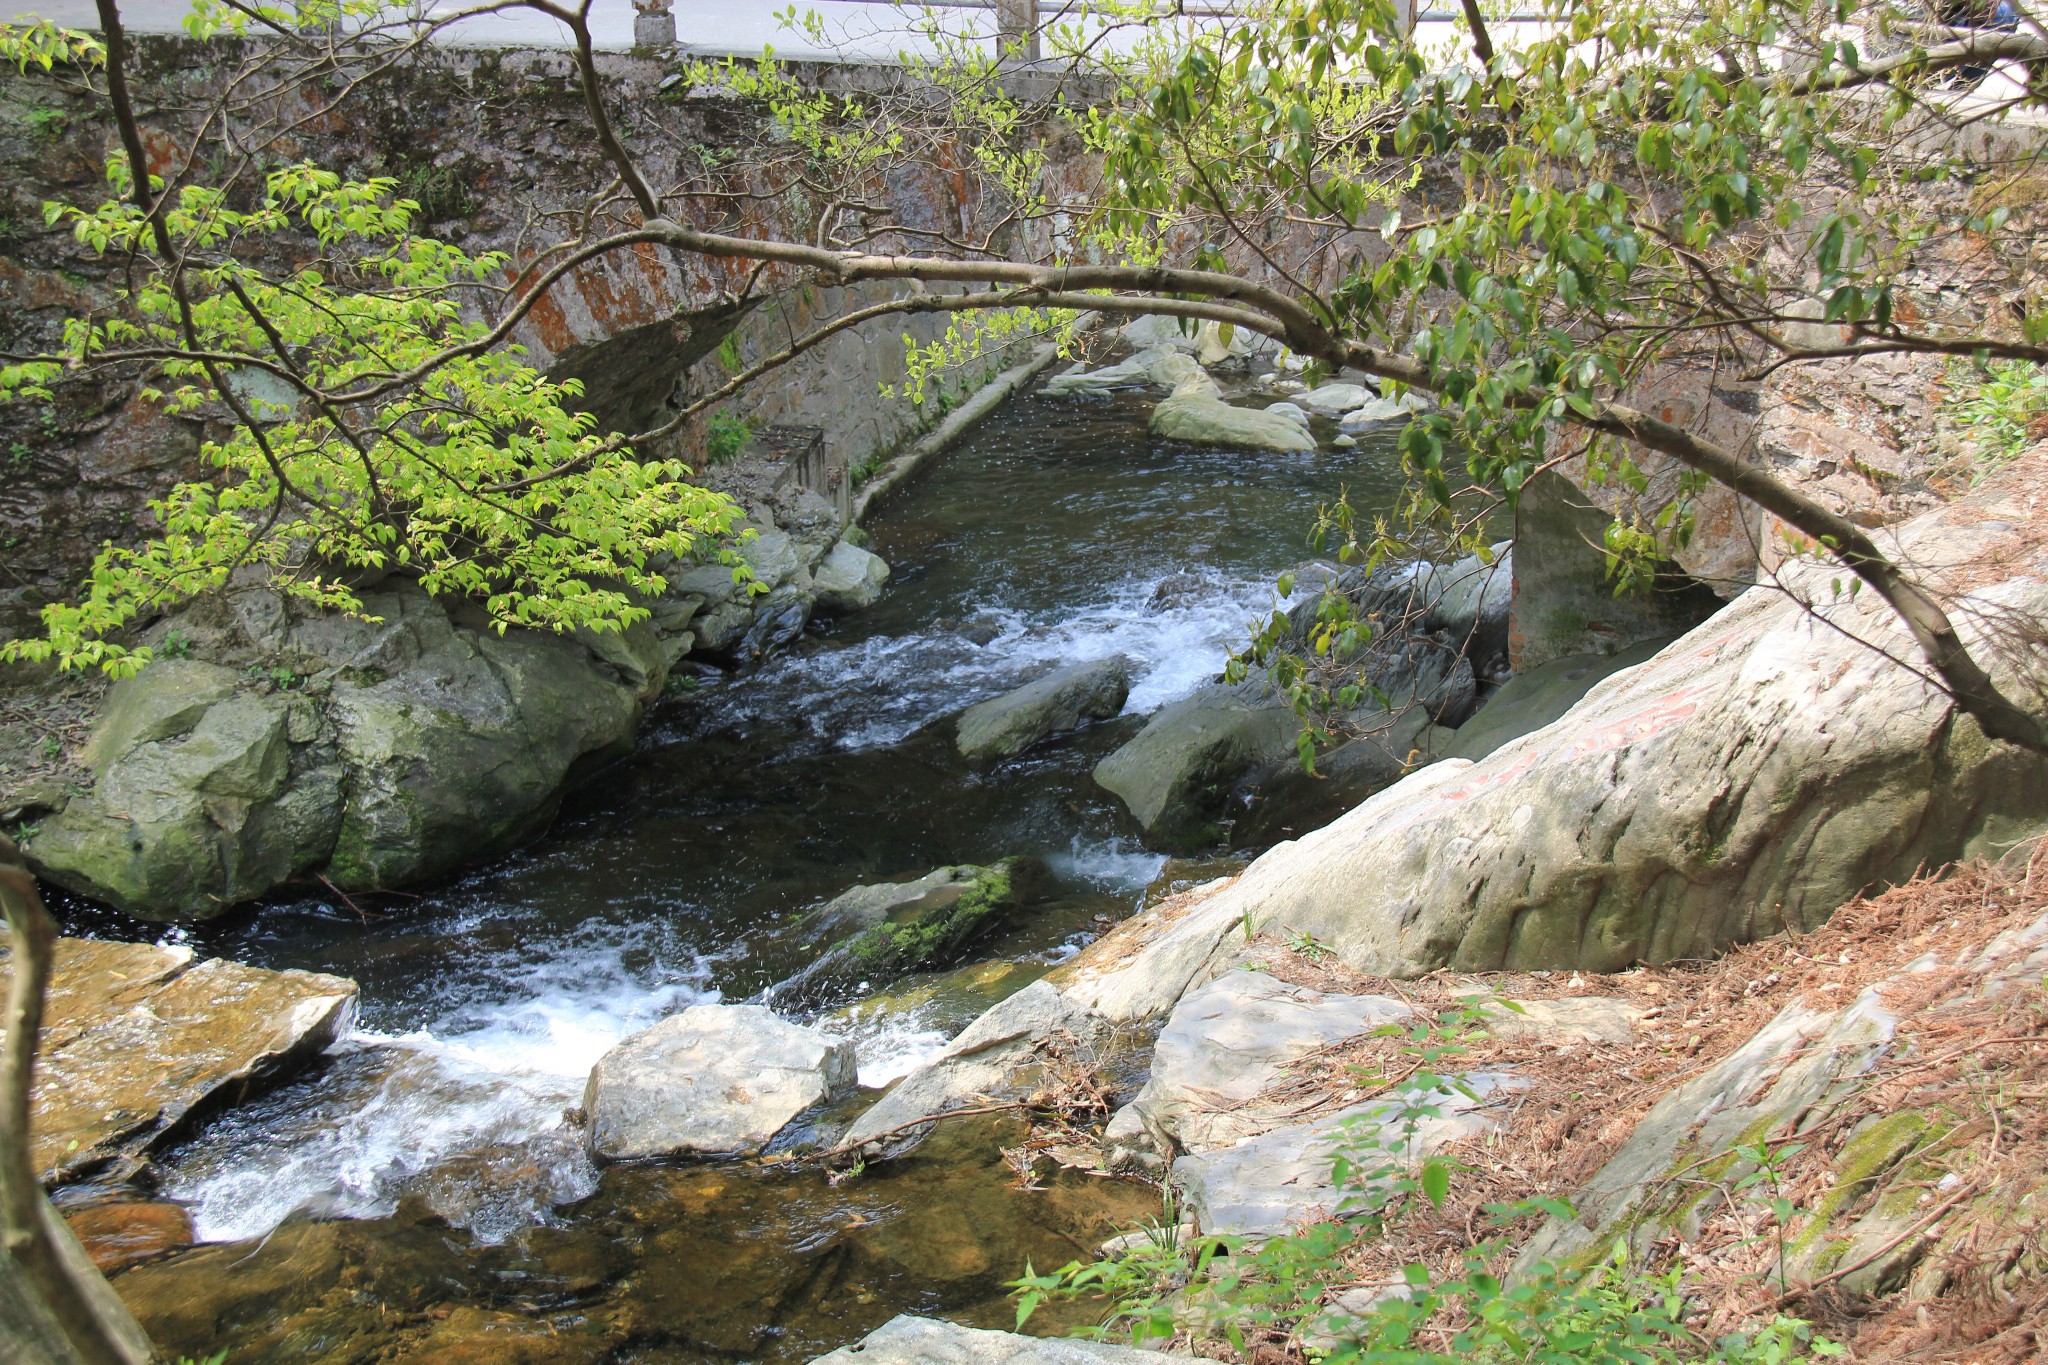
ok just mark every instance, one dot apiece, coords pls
pixel 138 1037
pixel 908 1340
pixel 715 1080
pixel 1231 1040
pixel 1267 1185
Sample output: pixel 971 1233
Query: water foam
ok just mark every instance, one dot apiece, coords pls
pixel 485 1084
pixel 1176 628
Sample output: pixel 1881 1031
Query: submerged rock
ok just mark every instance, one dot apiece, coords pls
pixel 1224 1045
pixel 911 1340
pixel 1201 419
pixel 850 578
pixel 715 1080
pixel 128 1232
pixel 1177 775
pixel 137 1038
pixel 1056 704
pixel 1000 1055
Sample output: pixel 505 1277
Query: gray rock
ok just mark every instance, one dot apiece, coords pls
pixel 1200 419
pixel 1292 412
pixel 1379 411
pixel 1223 1046
pixel 1793 1065
pixel 848 579
pixel 714 583
pixel 1529 701
pixel 1564 1022
pixel 715 1080
pixel 774 556
pixel 1427 673
pixel 1266 1185
pixel 778 618
pixel 1750 778
pixel 415 746
pixel 1158 366
pixel 910 1340
pixel 1564 599
pixel 891 928
pixel 999 1056
pixel 164 701
pixel 1177 774
pixel 1289 802
pixel 1056 704
pixel 722 627
pixel 1336 399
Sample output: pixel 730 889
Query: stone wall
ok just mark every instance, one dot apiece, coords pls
pixel 493 144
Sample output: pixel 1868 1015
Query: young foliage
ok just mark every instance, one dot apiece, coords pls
pixel 367 424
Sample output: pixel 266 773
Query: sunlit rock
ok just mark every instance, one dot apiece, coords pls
pixel 715 1080
pixel 138 1037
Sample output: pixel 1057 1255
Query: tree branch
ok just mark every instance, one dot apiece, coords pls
pixel 28 1239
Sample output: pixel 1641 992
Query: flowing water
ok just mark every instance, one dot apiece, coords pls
pixel 1058 532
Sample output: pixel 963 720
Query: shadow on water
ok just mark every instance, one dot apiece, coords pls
pixel 1059 532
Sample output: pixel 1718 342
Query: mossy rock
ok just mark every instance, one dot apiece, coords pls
pixel 914 926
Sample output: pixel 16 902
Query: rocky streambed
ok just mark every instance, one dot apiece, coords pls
pixel 439 1149
pixel 492 1160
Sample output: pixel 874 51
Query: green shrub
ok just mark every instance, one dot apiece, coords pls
pixel 2004 410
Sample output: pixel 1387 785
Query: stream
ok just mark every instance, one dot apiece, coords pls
pixel 422 1186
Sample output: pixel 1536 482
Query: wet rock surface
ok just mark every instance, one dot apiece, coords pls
pixel 139 1039
pixel 1057 704
pixel 879 932
pixel 715 1080
pixel 1177 774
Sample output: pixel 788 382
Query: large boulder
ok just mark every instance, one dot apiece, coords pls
pixel 1001 1055
pixel 368 751
pixel 1056 704
pixel 1289 801
pixel 1749 778
pixel 139 1038
pixel 1223 1047
pixel 1177 774
pixel 715 1080
pixel 908 1340
pixel 848 579
pixel 1531 700
pixel 1202 419
pixel 1564 598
